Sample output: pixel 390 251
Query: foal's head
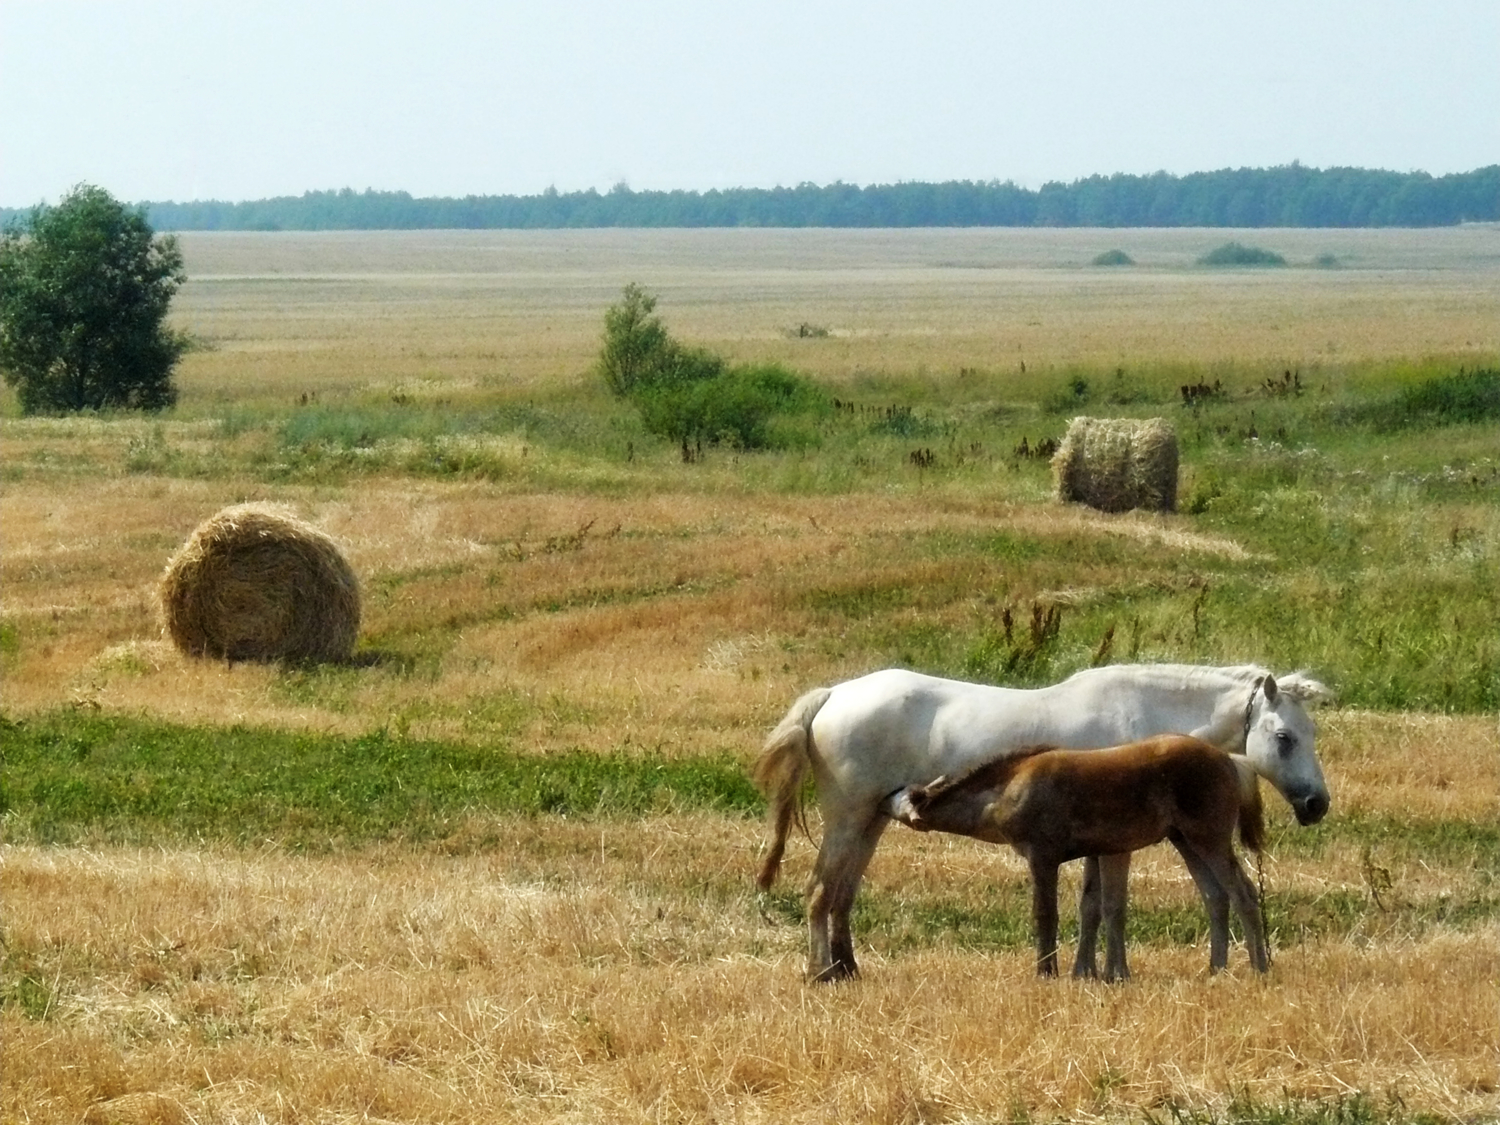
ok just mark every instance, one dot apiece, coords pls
pixel 1279 742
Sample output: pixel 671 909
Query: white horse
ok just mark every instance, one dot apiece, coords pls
pixel 869 738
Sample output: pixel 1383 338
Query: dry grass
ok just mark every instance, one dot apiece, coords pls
pixel 560 971
pixel 448 314
pixel 572 975
pixel 524 601
pixel 1428 766
pixel 548 970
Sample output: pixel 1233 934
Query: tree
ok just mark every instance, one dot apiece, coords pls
pixel 633 341
pixel 639 353
pixel 84 291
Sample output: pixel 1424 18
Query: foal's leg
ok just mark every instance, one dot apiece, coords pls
pixel 1218 857
pixel 1114 877
pixel 1105 884
pixel 1044 913
pixel 1242 894
pixel 1215 902
pixel 1086 963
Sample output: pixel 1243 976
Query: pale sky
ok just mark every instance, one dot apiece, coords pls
pixel 157 100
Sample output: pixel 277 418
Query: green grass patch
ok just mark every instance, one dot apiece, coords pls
pixel 1358 1108
pixel 74 776
pixel 1000 919
pixel 1464 397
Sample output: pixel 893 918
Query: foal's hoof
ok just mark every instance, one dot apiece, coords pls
pixel 833 973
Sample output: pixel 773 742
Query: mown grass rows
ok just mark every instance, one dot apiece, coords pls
pixel 76 777
pixel 1370 518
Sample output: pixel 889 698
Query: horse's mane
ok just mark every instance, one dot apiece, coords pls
pixel 1303 688
pixel 1298 685
pixel 1188 675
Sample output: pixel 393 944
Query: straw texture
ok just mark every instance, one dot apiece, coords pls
pixel 1116 464
pixel 255 583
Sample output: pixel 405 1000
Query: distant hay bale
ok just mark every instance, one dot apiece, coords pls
pixel 1116 464
pixel 255 583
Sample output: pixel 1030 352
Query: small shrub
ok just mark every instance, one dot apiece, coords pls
pixel 737 407
pixel 1327 262
pixel 1113 258
pixel 1237 254
pixel 635 342
pixel 1011 655
pixel 638 352
pixel 690 395
pixel 1069 397
pixel 1467 396
pixel 1464 397
pixel 1205 489
pixel 903 422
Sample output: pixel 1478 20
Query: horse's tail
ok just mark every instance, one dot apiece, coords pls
pixel 778 772
pixel 1252 818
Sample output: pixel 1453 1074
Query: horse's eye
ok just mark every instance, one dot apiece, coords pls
pixel 1284 742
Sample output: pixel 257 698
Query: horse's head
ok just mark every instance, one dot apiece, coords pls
pixel 1279 742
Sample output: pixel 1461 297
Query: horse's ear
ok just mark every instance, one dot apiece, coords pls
pixel 1271 690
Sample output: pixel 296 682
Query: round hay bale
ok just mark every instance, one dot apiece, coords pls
pixel 1116 464
pixel 256 583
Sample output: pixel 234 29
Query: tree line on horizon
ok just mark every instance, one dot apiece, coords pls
pixel 1288 196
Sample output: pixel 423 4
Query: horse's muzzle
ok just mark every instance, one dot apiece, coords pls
pixel 1311 809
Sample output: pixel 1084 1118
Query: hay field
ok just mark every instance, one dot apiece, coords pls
pixel 578 589
pixel 296 313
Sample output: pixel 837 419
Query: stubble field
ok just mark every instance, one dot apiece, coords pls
pixel 399 891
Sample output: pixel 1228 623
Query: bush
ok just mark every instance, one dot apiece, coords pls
pixel 1468 396
pixel 1114 258
pixel 1447 400
pixel 1069 397
pixel 690 395
pixel 634 342
pixel 1237 254
pixel 738 407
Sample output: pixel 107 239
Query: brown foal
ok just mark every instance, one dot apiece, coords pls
pixel 1057 805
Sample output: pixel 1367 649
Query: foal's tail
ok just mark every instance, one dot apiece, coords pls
pixel 1252 820
pixel 779 771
